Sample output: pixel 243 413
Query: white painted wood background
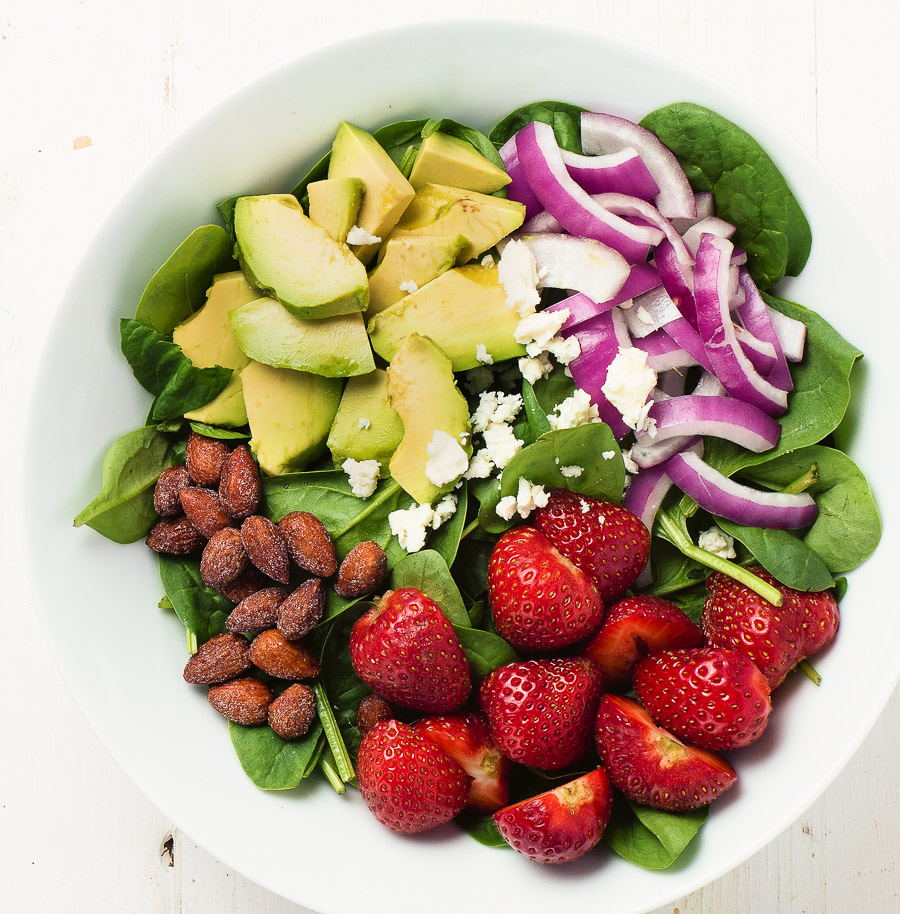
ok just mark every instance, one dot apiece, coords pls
pixel 89 91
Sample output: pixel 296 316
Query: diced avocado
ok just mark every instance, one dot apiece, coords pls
pixel 357 154
pixel 445 159
pixel 334 204
pixel 422 389
pixel 296 261
pixel 335 347
pixel 290 414
pixel 366 426
pixel 405 258
pixel 206 339
pixel 441 210
pixel 459 310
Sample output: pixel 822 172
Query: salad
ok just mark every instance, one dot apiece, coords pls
pixel 487 472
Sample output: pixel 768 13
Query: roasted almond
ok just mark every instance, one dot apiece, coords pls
pixel 223 558
pixel 292 713
pixel 246 583
pixel 244 701
pixel 266 547
pixel 239 486
pixel 204 458
pixel 174 536
pixel 166 501
pixel 309 543
pixel 361 571
pixel 299 614
pixel 372 710
pixel 284 659
pixel 218 660
pixel 202 509
pixel 257 612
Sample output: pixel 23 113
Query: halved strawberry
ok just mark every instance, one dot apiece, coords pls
pixel 652 766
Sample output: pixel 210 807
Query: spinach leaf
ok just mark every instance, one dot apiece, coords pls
pixel 537 417
pixel 485 651
pixel 178 288
pixel 202 610
pixel 427 571
pixel 565 119
pixel 750 191
pixel 552 389
pixel 226 211
pixel 162 368
pixel 480 825
pixel 672 570
pixel 470 569
pixel 487 493
pixel 652 838
pixel 691 601
pixel 840 588
pixel 123 509
pixel 215 431
pixel 271 762
pixel 445 539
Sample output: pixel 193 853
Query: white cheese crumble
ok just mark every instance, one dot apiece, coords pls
pixel 564 351
pixel 535 369
pixel 447 460
pixel 488 261
pixel 363 476
pixel 585 506
pixel 501 443
pixel 574 411
pixel 536 330
pixel 409 286
pixel 608 455
pixel 363 423
pixel 527 498
pixel 480 466
pixel 495 407
pixel 358 235
pixel 410 526
pixel 483 355
pixel 518 274
pixel 444 510
pixel 629 382
pixel 717 542
pixel 571 472
pixel 630 465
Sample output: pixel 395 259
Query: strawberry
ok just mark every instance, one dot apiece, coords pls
pixel 539 600
pixel 775 638
pixel 606 541
pixel 653 767
pixel 466 739
pixel 561 824
pixel 710 697
pixel 408 784
pixel 633 628
pixel 541 712
pixel 407 652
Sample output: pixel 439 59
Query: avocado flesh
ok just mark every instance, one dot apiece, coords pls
pixel 445 159
pixel 334 205
pixel 423 391
pixel 419 258
pixel 290 414
pixel 442 210
pixel 460 309
pixel 357 154
pixel 366 398
pixel 296 261
pixel 336 347
pixel 206 339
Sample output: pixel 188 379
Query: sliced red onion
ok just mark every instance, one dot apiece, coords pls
pixel 677 277
pixel 541 224
pixel 705 203
pixel 640 211
pixel 761 354
pixel 649 452
pixel 518 189
pixel 665 315
pixel 709 386
pixel 711 225
pixel 726 498
pixel 646 493
pixel 622 172
pixel 739 257
pixel 663 353
pixel 791 334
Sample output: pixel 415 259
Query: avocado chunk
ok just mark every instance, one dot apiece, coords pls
pixel 366 426
pixel 290 414
pixel 445 159
pixel 441 210
pixel 357 154
pixel 460 310
pixel 335 347
pixel 206 339
pixel 334 204
pixel 410 258
pixel 435 417
pixel 296 261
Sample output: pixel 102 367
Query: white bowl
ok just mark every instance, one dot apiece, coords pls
pixel 122 658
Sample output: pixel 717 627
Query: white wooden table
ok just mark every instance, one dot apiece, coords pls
pixel 89 91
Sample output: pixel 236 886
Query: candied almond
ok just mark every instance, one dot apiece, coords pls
pixel 283 659
pixel 257 612
pixel 243 701
pixel 204 458
pixel 202 508
pixel 174 536
pixel 246 583
pixel 172 480
pixel 223 558
pixel 218 660
pixel 361 571
pixel 266 548
pixel 293 711
pixel 372 710
pixel 239 487
pixel 299 614
pixel 309 543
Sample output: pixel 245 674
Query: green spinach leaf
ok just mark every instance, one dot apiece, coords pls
pixel 202 610
pixel 552 389
pixel 487 493
pixel 216 431
pixel 652 838
pixel 565 119
pixel 470 568
pixel 672 570
pixel 445 539
pixel 226 211
pixel 481 827
pixel 427 571
pixel 485 651
pixel 271 762
pixel 840 588
pixel 537 417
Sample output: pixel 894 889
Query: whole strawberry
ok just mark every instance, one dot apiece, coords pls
pixel 408 783
pixel 541 712
pixel 606 541
pixel 707 696
pixel 407 652
pixel 539 600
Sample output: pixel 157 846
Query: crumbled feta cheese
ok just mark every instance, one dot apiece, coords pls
pixel 506 507
pixel 409 286
pixel 363 423
pixel 495 407
pixel 644 316
pixel 483 355
pixel 527 498
pixel 508 407
pixel 480 466
pixel 629 382
pixel 536 330
pixel 488 261
pixel 564 351
pixel 630 465
pixel 478 379
pixel 363 476
pixel 585 506
pixel 501 443
pixel 717 542
pixel 568 371
pixel 518 274
pixel 574 411
pixel 534 369
pixel 444 510
pixel 447 460
pixel 571 472
pixel 411 525
pixel 358 235
pixel 608 455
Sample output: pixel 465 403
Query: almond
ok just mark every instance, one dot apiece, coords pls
pixel 174 536
pixel 244 701
pixel 372 710
pixel 223 558
pixel 265 547
pixel 171 481
pixel 281 658
pixel 309 543
pixel 292 713
pixel 204 458
pixel 246 583
pixel 361 571
pixel 299 614
pixel 239 486
pixel 257 612
pixel 218 660
pixel 202 508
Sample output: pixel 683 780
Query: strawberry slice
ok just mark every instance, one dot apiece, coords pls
pixel 633 628
pixel 466 739
pixel 652 766
pixel 561 824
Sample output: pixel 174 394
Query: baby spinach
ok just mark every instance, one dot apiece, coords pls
pixel 202 610
pixel 750 191
pixel 652 838
pixel 271 762
pixel 427 571
pixel 123 509
pixel 487 493
pixel 840 588
pixel 445 539
pixel 480 825
pixel 565 119
pixel 485 651
pixel 672 570
pixel 535 413
pixel 215 431
pixel 178 288
pixel 226 211
pixel 552 389
pixel 470 569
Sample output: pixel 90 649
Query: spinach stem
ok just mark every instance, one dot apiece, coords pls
pixel 333 735
pixel 468 529
pixel 192 645
pixel 332 776
pixel 802 483
pixel 371 505
pixel 810 671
